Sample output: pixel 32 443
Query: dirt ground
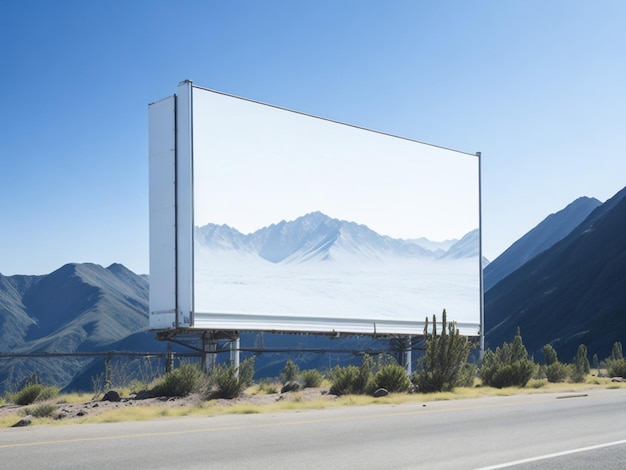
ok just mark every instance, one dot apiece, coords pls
pixel 71 411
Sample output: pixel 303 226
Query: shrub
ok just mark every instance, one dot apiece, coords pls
pixel 443 365
pixel 311 378
pixel 616 367
pixel 549 355
pixel 467 375
pixel 231 381
pixel 508 365
pixel 268 387
pixel 364 377
pixel 392 378
pixel 34 392
pixel 616 352
pixel 42 411
pixel 187 379
pixel 290 372
pixel 344 380
pixel 509 375
pixel 581 365
pixel 556 372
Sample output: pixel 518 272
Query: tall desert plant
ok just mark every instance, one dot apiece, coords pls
pixel 443 364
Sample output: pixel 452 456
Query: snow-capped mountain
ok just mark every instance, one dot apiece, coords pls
pixel 437 247
pixel 315 236
pixel 316 266
pixel 466 247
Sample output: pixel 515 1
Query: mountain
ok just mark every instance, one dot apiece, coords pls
pixel 77 308
pixel 317 237
pixel 570 294
pixel 14 321
pixel 90 309
pixel 437 247
pixel 319 266
pixel 466 247
pixel 552 229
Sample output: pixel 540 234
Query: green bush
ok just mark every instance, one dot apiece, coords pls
pixel 311 378
pixel 268 387
pixel 508 366
pixel 364 378
pixel 581 365
pixel 290 372
pixel 556 372
pixel 42 411
pixel 180 382
pixel 508 375
pixel 230 381
pixel 34 392
pixel 444 363
pixel 616 367
pixel 344 380
pixel 392 378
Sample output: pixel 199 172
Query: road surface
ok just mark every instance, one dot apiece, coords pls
pixel 577 430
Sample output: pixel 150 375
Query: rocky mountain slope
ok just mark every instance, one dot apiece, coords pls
pixel 77 308
pixel 572 293
pixel 552 229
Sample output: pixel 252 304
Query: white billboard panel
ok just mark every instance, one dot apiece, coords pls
pixel 162 143
pixel 304 224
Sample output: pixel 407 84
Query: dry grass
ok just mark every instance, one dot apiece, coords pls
pixel 291 401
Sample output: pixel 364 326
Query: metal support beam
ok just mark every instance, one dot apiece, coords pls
pixel 234 354
pixel 209 351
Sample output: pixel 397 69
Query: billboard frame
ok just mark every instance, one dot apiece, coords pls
pixel 174 308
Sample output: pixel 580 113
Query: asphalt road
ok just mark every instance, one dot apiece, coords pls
pixel 565 431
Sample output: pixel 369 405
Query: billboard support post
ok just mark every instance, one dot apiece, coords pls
pixel 480 261
pixel 407 356
pixel 209 351
pixel 234 354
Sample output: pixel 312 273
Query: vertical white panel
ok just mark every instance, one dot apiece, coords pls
pixel 162 158
pixel 184 201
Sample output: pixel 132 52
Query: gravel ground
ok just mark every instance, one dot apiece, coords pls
pixel 71 411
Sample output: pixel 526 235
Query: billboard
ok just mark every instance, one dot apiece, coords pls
pixel 274 220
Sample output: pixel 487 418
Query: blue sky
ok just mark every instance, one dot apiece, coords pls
pixel 537 87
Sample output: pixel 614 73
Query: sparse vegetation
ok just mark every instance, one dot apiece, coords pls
pixel 45 410
pixel 311 378
pixel 508 365
pixel 230 381
pixel 615 363
pixel 384 373
pixel 581 365
pixel 344 380
pixel 33 392
pixel 443 365
pixel 180 382
pixel 554 370
pixel 290 372
pixel 391 377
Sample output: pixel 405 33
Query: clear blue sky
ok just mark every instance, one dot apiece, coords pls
pixel 538 87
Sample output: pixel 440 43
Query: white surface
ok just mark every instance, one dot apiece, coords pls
pixel 254 165
pixel 162 213
pixel 184 205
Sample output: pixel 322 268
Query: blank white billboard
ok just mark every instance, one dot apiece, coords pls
pixel 290 222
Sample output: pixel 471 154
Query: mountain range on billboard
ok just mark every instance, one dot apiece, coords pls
pixel 316 266
pixel 318 237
